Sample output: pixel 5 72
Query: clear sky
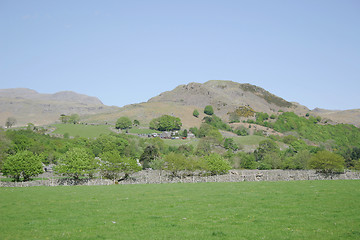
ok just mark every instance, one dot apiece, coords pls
pixel 127 51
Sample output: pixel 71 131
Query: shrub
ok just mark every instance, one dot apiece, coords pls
pixel 327 162
pixel 241 131
pixel 216 122
pixel 248 161
pixel 216 164
pixel 209 110
pixel 229 143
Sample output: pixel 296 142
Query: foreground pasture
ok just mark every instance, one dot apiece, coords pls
pixel 244 210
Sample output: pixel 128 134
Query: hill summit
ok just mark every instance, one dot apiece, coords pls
pixel 226 96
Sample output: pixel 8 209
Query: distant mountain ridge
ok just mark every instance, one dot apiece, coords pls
pixel 68 96
pixel 27 105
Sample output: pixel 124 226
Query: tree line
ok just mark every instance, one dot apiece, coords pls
pixel 24 153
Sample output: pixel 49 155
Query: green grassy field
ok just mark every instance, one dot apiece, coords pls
pixel 179 142
pixel 88 131
pixel 245 210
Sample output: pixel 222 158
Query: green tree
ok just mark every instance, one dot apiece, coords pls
pixel 216 164
pixel 229 143
pixel 184 133
pixel 194 130
pixel 247 161
pixel 206 130
pixel 123 123
pixel 272 160
pixel 136 122
pixel 113 165
pixel 107 143
pixel 165 123
pixel 10 121
pixel 327 162
pixel 186 149
pixel 175 162
pixel 265 147
pixel 301 159
pixel 157 164
pixel 150 153
pixel 64 118
pixel 208 110
pixel 77 162
pixel 74 118
pixel 196 113
pixel 23 164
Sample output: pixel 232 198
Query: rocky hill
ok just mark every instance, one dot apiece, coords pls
pixel 226 96
pixel 27 105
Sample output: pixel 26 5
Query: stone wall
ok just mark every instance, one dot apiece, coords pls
pixel 155 176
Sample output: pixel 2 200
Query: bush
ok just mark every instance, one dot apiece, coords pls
pixel 248 161
pixel 229 143
pixel 196 113
pixel 216 122
pixel 327 162
pixel 241 131
pixel 273 160
pixel 216 164
pixel 209 110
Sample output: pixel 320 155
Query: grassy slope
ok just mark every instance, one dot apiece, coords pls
pixel 95 131
pixel 246 210
pixel 88 131
pixel 145 112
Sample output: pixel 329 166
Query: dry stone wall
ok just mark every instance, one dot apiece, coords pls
pixel 156 176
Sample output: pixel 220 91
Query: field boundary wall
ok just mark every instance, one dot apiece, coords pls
pixel 157 177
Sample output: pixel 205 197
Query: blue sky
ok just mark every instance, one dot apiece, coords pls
pixel 126 52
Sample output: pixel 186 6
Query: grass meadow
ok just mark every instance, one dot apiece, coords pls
pixel 80 130
pixel 244 210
